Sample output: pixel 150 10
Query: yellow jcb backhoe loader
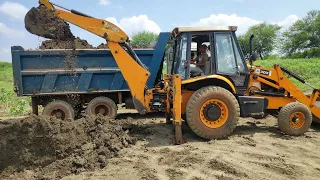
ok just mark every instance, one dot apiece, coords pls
pixel 211 94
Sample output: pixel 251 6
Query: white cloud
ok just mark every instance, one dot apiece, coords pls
pixel 242 22
pixel 104 2
pixel 288 21
pixel 227 20
pixel 14 10
pixel 10 32
pixel 5 54
pixel 135 24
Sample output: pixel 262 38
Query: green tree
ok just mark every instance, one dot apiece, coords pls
pixel 265 41
pixel 244 44
pixel 303 37
pixel 144 39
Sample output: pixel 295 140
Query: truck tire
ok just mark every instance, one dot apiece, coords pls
pixel 59 109
pixel 212 112
pixel 103 105
pixel 294 119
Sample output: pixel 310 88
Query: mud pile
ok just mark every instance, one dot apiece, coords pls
pixel 45 23
pixel 52 149
pixel 77 43
pixel 103 46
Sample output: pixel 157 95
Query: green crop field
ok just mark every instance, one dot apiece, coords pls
pixel 11 105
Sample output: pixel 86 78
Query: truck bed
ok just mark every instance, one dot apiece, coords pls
pixel 38 72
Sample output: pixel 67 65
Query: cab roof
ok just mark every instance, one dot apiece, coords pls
pixel 179 30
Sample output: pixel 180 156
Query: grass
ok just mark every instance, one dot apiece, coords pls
pixel 309 69
pixel 6 79
pixel 11 105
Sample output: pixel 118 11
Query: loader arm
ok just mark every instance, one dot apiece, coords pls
pixel 134 71
pixel 284 91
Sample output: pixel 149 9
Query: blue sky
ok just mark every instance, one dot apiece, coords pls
pixel 137 15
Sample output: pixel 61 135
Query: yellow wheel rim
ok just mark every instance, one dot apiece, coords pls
pixel 297 120
pixel 214 113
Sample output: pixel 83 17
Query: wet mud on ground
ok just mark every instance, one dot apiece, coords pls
pixel 255 150
pixel 54 148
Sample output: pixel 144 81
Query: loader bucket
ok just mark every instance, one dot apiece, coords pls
pixel 45 23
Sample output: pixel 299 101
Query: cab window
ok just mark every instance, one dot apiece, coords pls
pixel 181 56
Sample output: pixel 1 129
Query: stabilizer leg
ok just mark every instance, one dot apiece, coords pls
pixel 178 139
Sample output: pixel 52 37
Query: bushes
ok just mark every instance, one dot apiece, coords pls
pixel 144 39
pixel 310 53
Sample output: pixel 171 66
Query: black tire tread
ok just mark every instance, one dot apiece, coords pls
pixel 284 122
pixel 202 93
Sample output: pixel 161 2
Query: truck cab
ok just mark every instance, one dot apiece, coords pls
pixel 225 57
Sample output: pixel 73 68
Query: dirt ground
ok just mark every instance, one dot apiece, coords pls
pixel 52 148
pixel 255 150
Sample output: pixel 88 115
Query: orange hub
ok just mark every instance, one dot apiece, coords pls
pixel 297 120
pixel 214 113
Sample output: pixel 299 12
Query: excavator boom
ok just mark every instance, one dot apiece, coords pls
pixel 49 22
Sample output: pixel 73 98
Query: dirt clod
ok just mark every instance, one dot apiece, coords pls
pixel 54 148
pixel 45 23
pixel 65 44
pixel 103 46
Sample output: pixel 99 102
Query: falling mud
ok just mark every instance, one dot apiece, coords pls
pixel 45 23
pixel 54 149
pixel 70 60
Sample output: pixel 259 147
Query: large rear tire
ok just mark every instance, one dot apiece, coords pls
pixel 294 119
pixel 212 112
pixel 59 109
pixel 102 105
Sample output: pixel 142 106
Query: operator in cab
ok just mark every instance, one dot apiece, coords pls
pixel 197 65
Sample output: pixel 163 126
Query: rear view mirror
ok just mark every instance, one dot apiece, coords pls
pixel 253 57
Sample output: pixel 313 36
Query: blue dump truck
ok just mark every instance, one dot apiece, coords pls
pixel 95 79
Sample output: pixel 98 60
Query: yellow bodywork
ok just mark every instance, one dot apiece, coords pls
pixel 135 75
pixel 211 77
pixel 187 94
pixel 99 27
pixel 278 80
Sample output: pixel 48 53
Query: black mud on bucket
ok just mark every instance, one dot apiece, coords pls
pixel 45 23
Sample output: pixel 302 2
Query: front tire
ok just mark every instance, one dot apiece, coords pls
pixel 294 119
pixel 212 112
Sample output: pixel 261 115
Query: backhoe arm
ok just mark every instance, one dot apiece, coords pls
pixel 102 28
pixel 135 73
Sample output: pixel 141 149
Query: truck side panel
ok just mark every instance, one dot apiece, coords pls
pixel 43 71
